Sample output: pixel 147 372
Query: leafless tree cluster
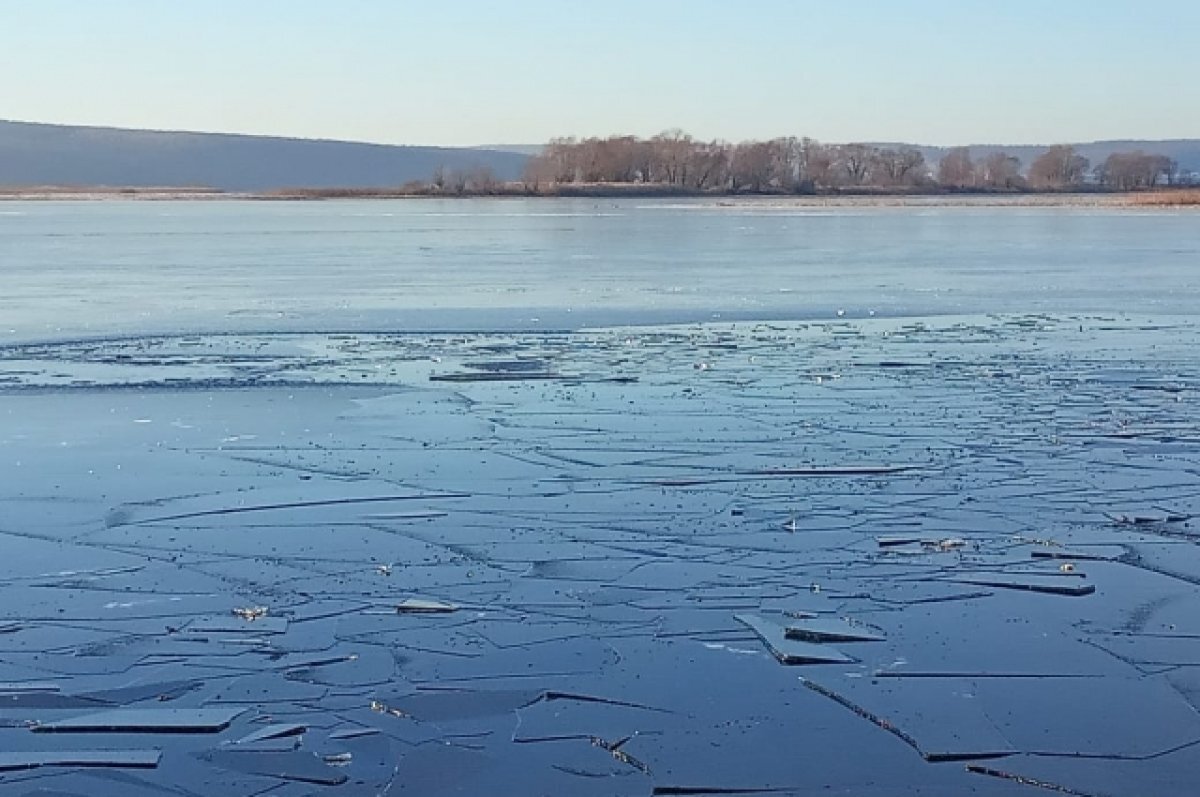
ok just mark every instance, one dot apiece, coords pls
pixel 676 160
pixel 1000 171
pixel 1058 168
pixel 476 180
pixel 1133 171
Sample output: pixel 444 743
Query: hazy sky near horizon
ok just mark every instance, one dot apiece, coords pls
pixel 460 72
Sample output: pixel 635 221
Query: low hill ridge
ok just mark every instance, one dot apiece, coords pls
pixel 44 154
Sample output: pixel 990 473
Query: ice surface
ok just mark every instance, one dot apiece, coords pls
pixel 533 585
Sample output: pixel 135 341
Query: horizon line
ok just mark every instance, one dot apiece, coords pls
pixel 502 147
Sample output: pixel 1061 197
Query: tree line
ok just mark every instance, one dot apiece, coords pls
pixel 676 161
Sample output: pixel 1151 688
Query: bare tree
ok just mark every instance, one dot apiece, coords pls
pixel 481 179
pixel 619 157
pixel 1134 171
pixel 819 162
pixel 645 162
pixel 956 169
pixel 1057 168
pixel 561 159
pixel 904 166
pixel 538 173
pixel 456 181
pixel 751 166
pixel 672 148
pixel 708 165
pixel 999 171
pixel 856 162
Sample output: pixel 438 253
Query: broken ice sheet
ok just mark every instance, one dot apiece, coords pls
pixel 20 687
pixel 136 693
pixel 957 730
pixel 1151 651
pixel 266 689
pixel 1085 776
pixel 557 439
pixel 89 782
pixel 576 767
pixel 894 540
pixel 425 606
pixel 748 761
pixel 565 716
pixel 1069 555
pixel 313 499
pixel 1109 717
pixel 1049 585
pixel 352 732
pixel 273 731
pixel 963 637
pixel 830 630
pixel 294 765
pixel 790 651
pixel 34 759
pixel 506 634
pixel 366 665
pixel 47 700
pixel 530 664
pixel 148 720
pixel 57 604
pixel 370 762
pixel 446 705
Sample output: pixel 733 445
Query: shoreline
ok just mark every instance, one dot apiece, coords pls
pixel 1160 199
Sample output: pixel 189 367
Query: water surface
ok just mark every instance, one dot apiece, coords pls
pixel 124 267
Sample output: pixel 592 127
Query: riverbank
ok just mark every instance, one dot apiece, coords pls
pixel 1166 198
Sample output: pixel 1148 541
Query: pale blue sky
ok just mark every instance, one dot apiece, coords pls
pixel 468 72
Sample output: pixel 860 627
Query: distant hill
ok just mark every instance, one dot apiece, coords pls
pixel 1186 151
pixel 34 154
pixel 41 154
pixel 522 149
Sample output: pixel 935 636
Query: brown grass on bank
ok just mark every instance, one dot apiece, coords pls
pixel 1159 198
pixel 337 193
pixel 1169 198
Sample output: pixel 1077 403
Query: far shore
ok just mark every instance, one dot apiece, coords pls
pixel 1159 198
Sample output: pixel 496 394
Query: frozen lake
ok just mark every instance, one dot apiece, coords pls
pixel 99 268
pixel 522 498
